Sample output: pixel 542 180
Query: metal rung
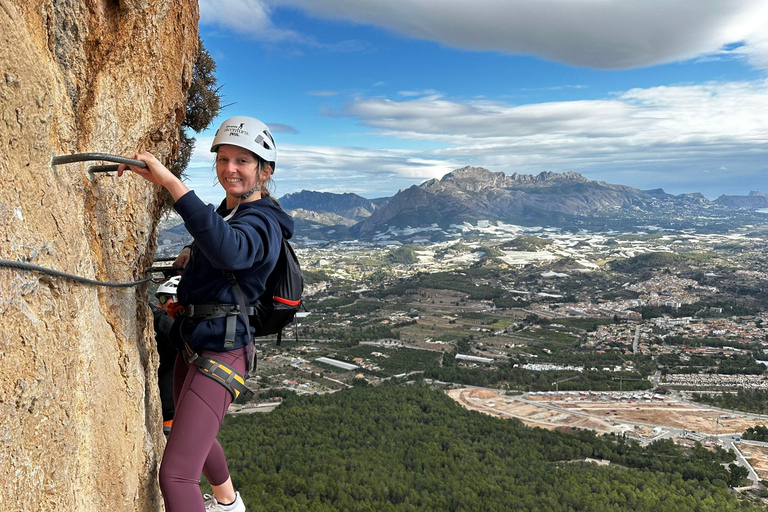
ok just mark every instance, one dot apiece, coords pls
pixel 87 157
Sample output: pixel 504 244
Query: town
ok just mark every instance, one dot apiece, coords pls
pixel 611 331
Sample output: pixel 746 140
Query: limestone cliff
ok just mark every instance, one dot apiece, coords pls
pixel 79 409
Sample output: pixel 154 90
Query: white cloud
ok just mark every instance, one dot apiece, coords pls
pixel 246 17
pixel 604 34
pixel 679 130
pixel 282 128
pixel 710 138
pixel 735 111
pixel 756 50
pixel 372 172
pixel 427 92
pixel 202 155
pixel 253 19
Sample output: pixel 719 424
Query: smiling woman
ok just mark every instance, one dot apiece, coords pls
pixel 235 249
pixel 239 172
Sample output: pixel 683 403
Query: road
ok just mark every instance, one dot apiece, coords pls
pixel 729 444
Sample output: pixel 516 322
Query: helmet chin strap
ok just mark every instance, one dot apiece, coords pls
pixel 245 196
pixel 258 185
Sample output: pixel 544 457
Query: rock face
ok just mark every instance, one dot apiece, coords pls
pixel 79 408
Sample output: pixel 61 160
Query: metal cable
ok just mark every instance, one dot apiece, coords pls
pixel 84 157
pixel 36 268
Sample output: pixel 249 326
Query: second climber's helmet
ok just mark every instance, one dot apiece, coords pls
pixel 249 133
pixel 167 290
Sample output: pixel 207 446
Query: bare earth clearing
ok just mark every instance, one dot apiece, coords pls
pixel 601 413
pixel 757 457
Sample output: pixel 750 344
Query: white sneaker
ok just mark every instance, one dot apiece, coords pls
pixel 211 505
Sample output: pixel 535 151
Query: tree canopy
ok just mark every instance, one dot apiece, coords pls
pixel 411 448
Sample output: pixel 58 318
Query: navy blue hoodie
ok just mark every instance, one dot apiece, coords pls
pixel 247 245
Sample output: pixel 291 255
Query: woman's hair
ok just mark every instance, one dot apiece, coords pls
pixel 269 182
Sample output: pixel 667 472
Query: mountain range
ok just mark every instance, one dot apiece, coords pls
pixel 470 194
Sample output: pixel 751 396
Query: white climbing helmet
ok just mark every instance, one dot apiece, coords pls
pixel 249 133
pixel 168 288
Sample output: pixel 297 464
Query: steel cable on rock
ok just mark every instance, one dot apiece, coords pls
pixel 83 157
pixel 57 273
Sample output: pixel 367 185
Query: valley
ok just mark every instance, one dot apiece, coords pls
pixel 618 331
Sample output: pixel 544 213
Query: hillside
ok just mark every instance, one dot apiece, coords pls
pixel 473 193
pixel 753 200
pixel 411 448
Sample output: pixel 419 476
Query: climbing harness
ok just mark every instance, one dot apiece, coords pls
pixel 199 312
pixel 222 373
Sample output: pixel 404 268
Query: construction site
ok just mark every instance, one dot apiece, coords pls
pixel 644 417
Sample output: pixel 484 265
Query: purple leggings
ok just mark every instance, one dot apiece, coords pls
pixel 192 448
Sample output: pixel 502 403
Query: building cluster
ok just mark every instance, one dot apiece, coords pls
pixel 602 396
pixel 668 290
pixel 663 290
pixel 716 380
pixel 649 337
pixel 736 329
pixel 622 309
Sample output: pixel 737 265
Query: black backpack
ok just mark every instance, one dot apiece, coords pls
pixel 281 299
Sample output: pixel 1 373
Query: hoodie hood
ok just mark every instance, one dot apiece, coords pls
pixel 269 207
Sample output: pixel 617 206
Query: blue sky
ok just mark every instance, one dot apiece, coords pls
pixel 370 97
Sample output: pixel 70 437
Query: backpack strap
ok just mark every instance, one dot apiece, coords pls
pixel 233 320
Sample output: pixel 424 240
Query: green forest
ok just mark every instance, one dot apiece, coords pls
pixel 508 376
pixel 747 400
pixel 411 448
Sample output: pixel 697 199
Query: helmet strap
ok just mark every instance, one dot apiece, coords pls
pixel 258 185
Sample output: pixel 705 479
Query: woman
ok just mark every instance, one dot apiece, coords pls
pixel 241 237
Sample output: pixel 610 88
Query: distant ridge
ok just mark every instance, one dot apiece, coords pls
pixel 348 205
pixel 752 201
pixel 472 193
pixel 567 200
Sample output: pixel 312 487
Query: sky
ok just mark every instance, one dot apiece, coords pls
pixel 371 97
